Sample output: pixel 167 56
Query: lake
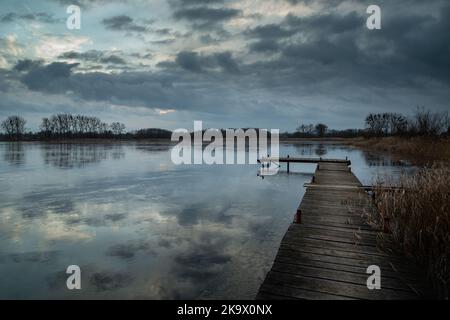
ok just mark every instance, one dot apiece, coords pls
pixel 141 227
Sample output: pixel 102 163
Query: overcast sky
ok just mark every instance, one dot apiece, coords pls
pixel 236 63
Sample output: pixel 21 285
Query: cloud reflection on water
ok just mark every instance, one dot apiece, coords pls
pixel 141 227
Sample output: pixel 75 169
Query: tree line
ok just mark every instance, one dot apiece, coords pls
pixel 78 126
pixel 69 126
pixel 422 123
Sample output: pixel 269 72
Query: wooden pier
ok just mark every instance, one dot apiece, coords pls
pixel 325 253
pixel 288 160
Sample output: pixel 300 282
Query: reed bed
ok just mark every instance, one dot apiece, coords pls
pixel 417 150
pixel 415 210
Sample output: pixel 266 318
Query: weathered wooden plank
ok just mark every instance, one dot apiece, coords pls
pixel 336 275
pixel 355 248
pixel 367 259
pixel 323 263
pixel 337 287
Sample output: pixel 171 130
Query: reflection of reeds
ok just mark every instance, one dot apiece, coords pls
pixel 418 217
pixel 419 150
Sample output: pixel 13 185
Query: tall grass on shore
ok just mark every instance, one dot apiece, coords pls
pixel 417 150
pixel 417 216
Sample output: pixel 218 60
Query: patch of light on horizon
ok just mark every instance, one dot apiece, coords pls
pixel 164 111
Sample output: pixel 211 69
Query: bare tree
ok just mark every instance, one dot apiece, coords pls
pixel 321 129
pixel 14 126
pixel 46 127
pixel 117 128
pixel 430 124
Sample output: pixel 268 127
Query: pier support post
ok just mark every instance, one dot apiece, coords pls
pixel 298 216
pixel 288 164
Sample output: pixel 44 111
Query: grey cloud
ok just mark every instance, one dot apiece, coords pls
pixel 202 17
pixel 27 64
pixel 132 88
pixel 114 217
pixel 265 46
pixel 37 78
pixel 123 23
pixel 38 16
pixel 206 14
pixel 93 56
pixel 113 59
pixel 270 31
pixel 341 45
pixel 332 23
pixel 195 62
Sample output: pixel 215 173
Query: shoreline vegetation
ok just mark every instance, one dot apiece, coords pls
pixel 414 210
pixel 416 215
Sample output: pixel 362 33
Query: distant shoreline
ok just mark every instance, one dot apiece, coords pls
pixel 418 150
pixel 92 140
pixel 102 140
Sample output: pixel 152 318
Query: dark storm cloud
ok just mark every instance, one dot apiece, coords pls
pixel 334 3
pixel 150 89
pixel 27 64
pixel 93 56
pixel 207 15
pixel 270 31
pixel 194 62
pixel 123 23
pixel 29 17
pixel 332 23
pixel 39 77
pixel 407 49
pixel 203 16
pixel 113 59
pixel 265 46
pixel 312 27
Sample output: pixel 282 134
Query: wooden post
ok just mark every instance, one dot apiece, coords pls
pixel 298 216
pixel 288 164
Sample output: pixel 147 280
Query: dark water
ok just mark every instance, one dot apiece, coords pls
pixel 141 227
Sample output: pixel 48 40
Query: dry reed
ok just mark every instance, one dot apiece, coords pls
pixel 417 216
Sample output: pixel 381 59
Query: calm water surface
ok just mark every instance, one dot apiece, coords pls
pixel 141 227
